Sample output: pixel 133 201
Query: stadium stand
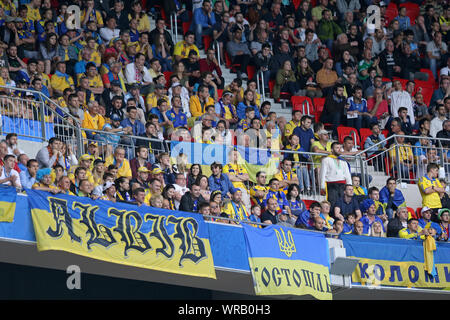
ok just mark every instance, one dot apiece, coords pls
pixel 117 95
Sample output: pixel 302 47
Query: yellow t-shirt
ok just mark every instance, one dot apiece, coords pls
pixel 33 14
pixel 235 169
pixel 182 49
pixel 124 169
pixel 152 101
pixel 290 127
pixel 71 174
pixel 60 83
pixel 431 200
pixel 143 23
pixel 96 82
pixel 93 16
pixel 236 211
pixel 94 123
pixel 282 176
pixel 253 191
pixel 317 159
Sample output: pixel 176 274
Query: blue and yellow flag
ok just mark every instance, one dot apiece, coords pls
pixel 288 261
pixel 252 159
pixel 398 262
pixel 143 237
pixel 8 196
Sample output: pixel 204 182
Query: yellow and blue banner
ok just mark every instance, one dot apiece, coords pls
pixel 252 159
pixel 287 261
pixel 144 237
pixel 397 262
pixel 8 196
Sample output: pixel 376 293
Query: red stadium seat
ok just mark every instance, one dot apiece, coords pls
pixel 348 131
pixel 308 203
pixel 251 70
pixel 229 64
pixel 391 12
pixel 431 80
pixel 207 40
pixel 167 75
pixel 364 133
pixel 219 93
pixel 271 85
pixel 427 93
pixel 319 104
pixel 402 81
pixel 304 104
pixel 186 26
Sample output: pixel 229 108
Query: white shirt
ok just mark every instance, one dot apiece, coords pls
pixel 107 34
pixel 402 99
pixel 334 170
pixel 11 173
pixel 436 126
pixel 12 148
pixel 182 191
pixel 130 74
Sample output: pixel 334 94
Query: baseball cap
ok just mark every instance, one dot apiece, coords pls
pixel 93 143
pixel 157 171
pixel 86 157
pixel 107 185
pixel 115 83
pixel 135 86
pixel 425 209
pixel 323 131
pixel 115 117
pixel 176 84
pixel 159 86
pixel 143 169
pixel 383 4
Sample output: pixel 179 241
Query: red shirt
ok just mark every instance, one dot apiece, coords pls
pixel 381 109
pixel 206 65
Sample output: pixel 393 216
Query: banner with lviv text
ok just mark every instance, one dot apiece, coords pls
pixel 144 237
pixel 287 261
pixel 397 262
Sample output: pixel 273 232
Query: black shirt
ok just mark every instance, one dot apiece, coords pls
pixel 266 215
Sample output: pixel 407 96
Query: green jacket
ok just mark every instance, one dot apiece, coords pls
pixel 281 80
pixel 328 30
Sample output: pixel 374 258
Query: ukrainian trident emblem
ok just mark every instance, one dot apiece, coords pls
pixel 286 245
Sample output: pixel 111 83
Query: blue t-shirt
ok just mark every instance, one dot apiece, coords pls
pixel 361 107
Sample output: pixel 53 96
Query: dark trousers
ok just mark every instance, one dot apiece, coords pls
pixel 334 118
pixel 243 60
pixel 335 191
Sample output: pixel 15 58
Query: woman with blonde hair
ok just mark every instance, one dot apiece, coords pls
pixel 4 75
pixel 376 230
pixel 141 17
pixel 156 201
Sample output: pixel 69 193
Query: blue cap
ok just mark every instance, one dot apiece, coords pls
pixel 115 117
pixel 366 204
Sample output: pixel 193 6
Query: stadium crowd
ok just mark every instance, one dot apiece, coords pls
pixel 118 76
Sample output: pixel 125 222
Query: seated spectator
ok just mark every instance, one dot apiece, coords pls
pixel 166 168
pixel 118 159
pixel 225 110
pixel 239 177
pixel 279 196
pixel 239 53
pixel 236 209
pixel 328 30
pixel 123 189
pixel 286 176
pixel 436 50
pixel 404 155
pixel 203 22
pixel 425 221
pixel 61 80
pixel 185 46
pixel 358 228
pixel 9 176
pixel 269 216
pixel 220 181
pixel 285 81
pixel 137 72
pixel 44 181
pixel 259 191
pixel 326 77
pixel 349 222
pixel 403 19
pixel 198 102
pixel 283 219
pixel 368 209
pixel 436 124
pixel 255 214
pixel 248 102
pixel 413 231
pixel 444 224
pixel 210 64
pixel 306 219
pixel 358 115
pixel 346 204
pixel 28 177
pixel 191 200
pixel 391 198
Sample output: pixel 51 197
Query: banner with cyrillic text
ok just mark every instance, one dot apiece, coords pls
pixel 396 262
pixel 287 261
pixel 144 237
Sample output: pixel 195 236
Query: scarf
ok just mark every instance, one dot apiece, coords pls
pixel 50 154
pixel 62 75
pixel 230 107
pixel 429 245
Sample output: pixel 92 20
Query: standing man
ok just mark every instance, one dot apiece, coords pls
pixel 334 174
pixel 430 189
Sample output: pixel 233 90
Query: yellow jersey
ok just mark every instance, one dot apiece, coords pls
pixel 236 169
pixel 431 200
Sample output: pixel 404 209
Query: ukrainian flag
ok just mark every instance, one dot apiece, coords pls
pixel 8 196
pixel 252 159
pixel 288 261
